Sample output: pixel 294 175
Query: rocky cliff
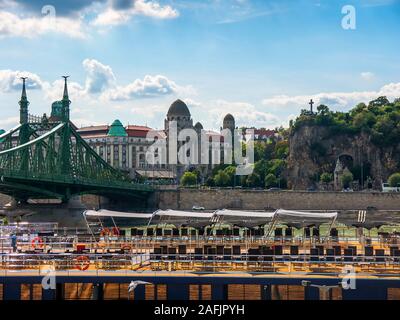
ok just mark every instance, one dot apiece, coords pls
pixel 315 149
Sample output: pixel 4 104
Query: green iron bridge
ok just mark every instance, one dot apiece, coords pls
pixel 46 158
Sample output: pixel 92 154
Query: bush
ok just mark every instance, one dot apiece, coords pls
pixel 189 179
pixel 253 180
pixel 347 179
pixel 222 179
pixel 394 180
pixel 270 181
pixel 326 177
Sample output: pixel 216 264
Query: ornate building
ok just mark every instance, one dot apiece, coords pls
pixel 125 147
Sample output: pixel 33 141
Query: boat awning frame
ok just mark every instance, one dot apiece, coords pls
pixel 242 218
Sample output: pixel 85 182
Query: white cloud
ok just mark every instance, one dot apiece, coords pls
pixel 99 76
pixel 151 9
pixel 245 114
pixel 335 100
pixel 150 111
pixel 13 25
pixel 54 91
pixel 11 80
pixel 9 122
pixel 367 75
pixel 150 86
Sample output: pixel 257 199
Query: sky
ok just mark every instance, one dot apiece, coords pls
pixel 260 60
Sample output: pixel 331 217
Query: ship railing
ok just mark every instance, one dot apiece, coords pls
pixel 86 263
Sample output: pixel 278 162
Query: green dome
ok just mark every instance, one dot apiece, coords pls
pixel 117 129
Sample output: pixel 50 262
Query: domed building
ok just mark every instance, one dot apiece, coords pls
pixel 179 112
pixel 117 129
pixel 229 122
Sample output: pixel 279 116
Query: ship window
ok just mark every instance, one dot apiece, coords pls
pixel 287 292
pixel 156 292
pixel 31 291
pixel 244 292
pixel 78 291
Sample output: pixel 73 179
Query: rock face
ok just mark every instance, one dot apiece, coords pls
pixel 314 150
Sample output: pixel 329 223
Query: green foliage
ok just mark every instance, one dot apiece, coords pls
pixel 254 180
pixel 270 181
pixel 394 180
pixel 189 179
pixel 222 179
pixel 5 221
pixel 347 179
pixel 281 149
pixel 326 177
pixel 380 118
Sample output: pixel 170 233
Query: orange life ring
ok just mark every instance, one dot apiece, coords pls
pixel 115 231
pixel 82 263
pixel 105 232
pixel 37 241
pixel 126 247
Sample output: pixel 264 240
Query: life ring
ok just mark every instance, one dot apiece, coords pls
pixel 126 247
pixel 37 242
pixel 105 232
pixel 82 263
pixel 115 231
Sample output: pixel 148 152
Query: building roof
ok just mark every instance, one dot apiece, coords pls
pixel 137 131
pixel 178 108
pixel 93 128
pixel 229 117
pixel 117 129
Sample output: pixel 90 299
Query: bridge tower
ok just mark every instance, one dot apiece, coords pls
pixel 66 142
pixel 25 130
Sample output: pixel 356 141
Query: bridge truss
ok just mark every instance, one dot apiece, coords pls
pixel 43 158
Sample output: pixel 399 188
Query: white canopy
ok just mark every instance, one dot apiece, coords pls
pixel 183 218
pixel 243 218
pixel 117 214
pixel 303 219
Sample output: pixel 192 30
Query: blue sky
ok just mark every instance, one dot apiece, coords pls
pixel 259 60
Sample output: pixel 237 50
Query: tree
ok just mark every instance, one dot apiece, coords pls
pixel 394 180
pixel 378 102
pixel 270 181
pixel 347 179
pixel 189 179
pixel 210 182
pixel 222 179
pixel 231 172
pixel 326 177
pixel 323 110
pixel 253 180
pixel 364 120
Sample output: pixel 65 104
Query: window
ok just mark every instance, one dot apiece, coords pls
pixel 116 291
pixel 287 292
pixel 393 293
pixel 155 292
pixel 31 291
pixel 78 291
pixel 244 292
pixel 200 292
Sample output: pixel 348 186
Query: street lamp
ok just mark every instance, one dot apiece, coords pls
pixel 323 289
